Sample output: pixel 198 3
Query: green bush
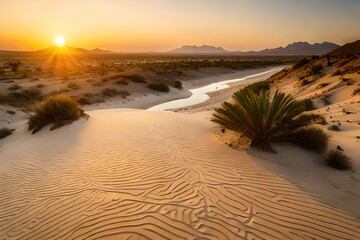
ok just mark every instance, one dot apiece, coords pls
pixel 57 109
pixel 263 118
pixel 4 132
pixel 311 138
pixel 178 84
pixel 309 104
pixel 161 87
pixel 338 160
pixel 258 87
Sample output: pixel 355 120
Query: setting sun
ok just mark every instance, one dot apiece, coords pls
pixel 59 41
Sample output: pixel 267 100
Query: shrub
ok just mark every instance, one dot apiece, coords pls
pixel 316 69
pixel 338 160
pixel 135 78
pixel 263 118
pixel 323 85
pixel 178 84
pixel 73 85
pixel 57 109
pixel 11 112
pixel 84 101
pixel 302 63
pixel 311 138
pixel 161 87
pixel 14 65
pixel 337 73
pixel 109 92
pixel 334 128
pixel 14 87
pixel 124 93
pixel 258 86
pixel 356 91
pixel 4 132
pixel 309 105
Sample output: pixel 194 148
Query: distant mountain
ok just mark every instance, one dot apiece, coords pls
pixel 72 50
pixel 296 48
pixel 301 48
pixel 349 49
pixel 186 49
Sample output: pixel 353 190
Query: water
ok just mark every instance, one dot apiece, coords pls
pixel 199 95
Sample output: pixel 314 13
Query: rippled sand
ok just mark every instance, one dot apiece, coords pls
pixel 125 174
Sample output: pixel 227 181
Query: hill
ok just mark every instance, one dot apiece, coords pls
pixel 349 49
pixel 205 49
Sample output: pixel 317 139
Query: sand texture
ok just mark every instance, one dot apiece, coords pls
pixel 133 174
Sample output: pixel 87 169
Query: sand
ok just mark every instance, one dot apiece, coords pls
pixel 134 174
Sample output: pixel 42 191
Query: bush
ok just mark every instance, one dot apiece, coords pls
pixel 356 91
pixel 302 63
pixel 258 86
pixel 338 160
pixel 124 93
pixel 337 73
pixel 334 128
pixel 322 85
pixel 135 78
pixel 263 118
pixel 11 112
pixel 309 105
pixel 161 87
pixel 109 92
pixel 84 101
pixel 311 138
pixel 58 110
pixel 4 132
pixel 316 69
pixel 178 84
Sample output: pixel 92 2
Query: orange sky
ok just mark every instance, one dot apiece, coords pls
pixel 161 25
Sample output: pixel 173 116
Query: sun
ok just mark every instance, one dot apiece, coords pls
pixel 59 41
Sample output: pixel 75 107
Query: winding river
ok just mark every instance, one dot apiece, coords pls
pixel 200 95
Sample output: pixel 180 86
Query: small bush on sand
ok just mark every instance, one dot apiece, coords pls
pixel 109 92
pixel 334 128
pixel 58 110
pixel 160 87
pixel 337 73
pixel 356 92
pixel 311 138
pixel 309 105
pixel 338 160
pixel 4 132
pixel 302 63
pixel 263 118
pixel 11 112
pixel 124 93
pixel 322 85
pixel 316 69
pixel 84 101
pixel 135 78
pixel 178 84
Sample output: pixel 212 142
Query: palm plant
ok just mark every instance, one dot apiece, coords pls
pixel 263 117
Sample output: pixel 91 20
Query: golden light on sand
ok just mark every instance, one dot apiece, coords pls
pixel 59 41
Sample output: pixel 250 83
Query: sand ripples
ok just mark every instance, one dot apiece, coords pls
pixel 134 177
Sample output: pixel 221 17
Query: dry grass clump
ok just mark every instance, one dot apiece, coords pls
pixel 311 138
pixel 338 160
pixel 58 110
pixel 160 87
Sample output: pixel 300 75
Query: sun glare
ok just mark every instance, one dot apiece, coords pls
pixel 59 41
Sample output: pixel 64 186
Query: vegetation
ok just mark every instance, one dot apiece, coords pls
pixel 178 84
pixel 14 87
pixel 160 87
pixel 109 92
pixel 309 104
pixel 334 128
pixel 11 112
pixel 264 118
pixel 338 160
pixel 322 85
pixel 316 69
pixel 14 65
pixel 356 91
pixel 311 138
pixel 73 85
pixel 58 110
pixel 302 63
pixel 258 87
pixel 337 73
pixel 4 132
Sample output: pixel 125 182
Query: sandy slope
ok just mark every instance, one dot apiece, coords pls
pixel 133 174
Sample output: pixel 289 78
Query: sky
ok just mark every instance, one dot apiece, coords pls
pixel 162 25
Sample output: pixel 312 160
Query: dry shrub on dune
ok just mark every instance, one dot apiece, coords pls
pixel 265 118
pixel 58 110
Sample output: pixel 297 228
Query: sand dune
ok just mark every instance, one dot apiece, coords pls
pixel 133 174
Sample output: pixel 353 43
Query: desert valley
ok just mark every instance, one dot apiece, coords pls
pixel 198 142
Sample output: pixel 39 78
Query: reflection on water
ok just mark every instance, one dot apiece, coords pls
pixel 199 95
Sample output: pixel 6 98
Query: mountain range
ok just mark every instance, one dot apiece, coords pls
pixel 296 48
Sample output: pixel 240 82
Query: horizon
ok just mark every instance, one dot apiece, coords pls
pixel 139 26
